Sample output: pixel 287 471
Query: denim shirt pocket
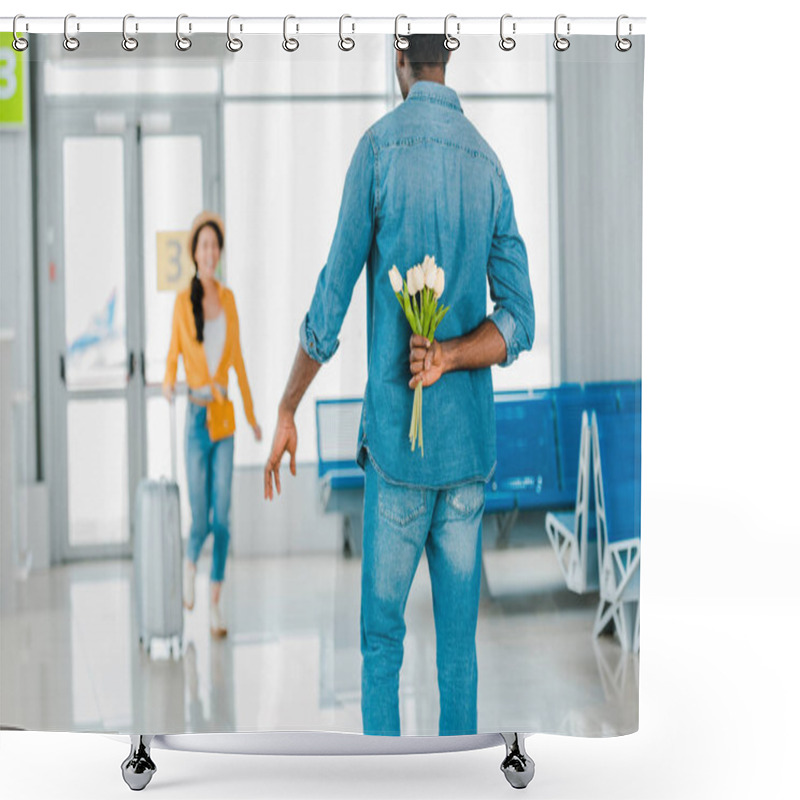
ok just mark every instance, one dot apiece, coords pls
pixel 466 500
pixel 400 505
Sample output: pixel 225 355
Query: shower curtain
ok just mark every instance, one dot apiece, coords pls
pixel 266 221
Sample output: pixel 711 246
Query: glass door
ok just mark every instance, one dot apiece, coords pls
pixel 91 338
pixel 179 177
pixel 127 179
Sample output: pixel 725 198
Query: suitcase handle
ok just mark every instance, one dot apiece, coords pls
pixel 173 447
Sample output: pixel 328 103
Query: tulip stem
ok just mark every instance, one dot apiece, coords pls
pixel 413 428
pixel 424 315
pixel 415 431
pixel 419 422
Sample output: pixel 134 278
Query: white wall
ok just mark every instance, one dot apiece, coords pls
pixel 599 102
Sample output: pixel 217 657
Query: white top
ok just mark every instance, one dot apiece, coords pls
pixel 214 341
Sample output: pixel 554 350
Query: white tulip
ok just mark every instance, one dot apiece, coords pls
pixel 430 277
pixel 396 279
pixel 438 285
pixel 429 270
pixel 420 278
pixel 415 279
pixel 411 280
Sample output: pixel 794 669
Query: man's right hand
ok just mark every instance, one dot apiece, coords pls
pixel 168 392
pixel 426 361
pixel 285 439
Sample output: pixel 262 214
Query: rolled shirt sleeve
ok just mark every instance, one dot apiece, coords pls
pixel 509 282
pixel 352 240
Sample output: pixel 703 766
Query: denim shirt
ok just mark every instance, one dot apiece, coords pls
pixel 423 182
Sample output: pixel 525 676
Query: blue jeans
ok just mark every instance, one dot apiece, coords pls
pixel 209 473
pixel 398 522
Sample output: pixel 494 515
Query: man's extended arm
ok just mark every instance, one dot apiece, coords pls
pixel 320 327
pixel 303 371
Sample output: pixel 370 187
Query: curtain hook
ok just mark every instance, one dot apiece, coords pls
pixel 623 45
pixel 401 42
pixel 561 43
pixel 345 42
pixel 507 42
pixel 289 44
pixel 129 43
pixel 451 42
pixel 70 42
pixel 233 44
pixel 181 42
pixel 21 43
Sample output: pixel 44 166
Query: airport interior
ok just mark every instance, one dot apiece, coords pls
pixel 102 176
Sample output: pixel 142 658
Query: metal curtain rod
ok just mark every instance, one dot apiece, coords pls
pixel 460 26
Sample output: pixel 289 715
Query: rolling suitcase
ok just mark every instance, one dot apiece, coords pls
pixel 157 556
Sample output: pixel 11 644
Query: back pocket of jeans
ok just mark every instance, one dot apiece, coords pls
pixel 399 504
pixel 465 500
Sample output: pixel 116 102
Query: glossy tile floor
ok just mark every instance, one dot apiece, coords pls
pixel 70 658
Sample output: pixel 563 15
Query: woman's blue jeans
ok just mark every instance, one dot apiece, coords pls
pixel 209 473
pixel 398 523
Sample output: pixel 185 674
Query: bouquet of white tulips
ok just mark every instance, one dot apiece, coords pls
pixel 418 296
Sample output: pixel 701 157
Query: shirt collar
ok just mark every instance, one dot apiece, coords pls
pixel 434 93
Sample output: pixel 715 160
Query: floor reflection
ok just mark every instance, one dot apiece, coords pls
pixel 71 660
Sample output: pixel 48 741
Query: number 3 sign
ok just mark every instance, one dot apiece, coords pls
pixel 12 87
pixel 175 267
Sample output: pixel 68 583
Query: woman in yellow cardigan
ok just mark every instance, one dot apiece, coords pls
pixel 205 331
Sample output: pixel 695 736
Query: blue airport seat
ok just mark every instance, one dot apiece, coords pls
pixel 630 396
pixel 497 502
pixel 619 436
pixel 341 479
pixel 617 464
pixel 569 406
pixel 573 534
pixel 337 436
pixel 566 389
pixel 527 468
pixel 349 478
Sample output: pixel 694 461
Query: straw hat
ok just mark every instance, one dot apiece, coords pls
pixel 201 219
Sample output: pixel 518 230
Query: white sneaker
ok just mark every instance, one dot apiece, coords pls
pixel 189 572
pixel 218 628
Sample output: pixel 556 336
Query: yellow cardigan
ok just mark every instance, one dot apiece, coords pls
pixel 184 342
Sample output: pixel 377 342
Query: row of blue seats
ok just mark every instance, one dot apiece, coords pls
pixel 538 441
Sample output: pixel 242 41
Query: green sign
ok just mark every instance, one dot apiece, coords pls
pixel 12 88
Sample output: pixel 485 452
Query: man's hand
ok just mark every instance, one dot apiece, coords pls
pixel 285 439
pixel 426 359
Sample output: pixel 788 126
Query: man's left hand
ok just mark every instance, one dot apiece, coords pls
pixel 426 360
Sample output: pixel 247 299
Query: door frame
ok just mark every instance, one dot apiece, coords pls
pixel 76 116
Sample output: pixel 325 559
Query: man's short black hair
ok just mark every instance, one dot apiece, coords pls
pixel 426 50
